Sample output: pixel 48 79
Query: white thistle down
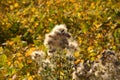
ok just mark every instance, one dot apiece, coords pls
pixel 59 28
pixel 72 47
pixel 42 61
pixel 57 39
pixel 103 69
pixel 38 55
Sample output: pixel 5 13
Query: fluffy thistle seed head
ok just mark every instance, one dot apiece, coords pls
pixel 60 28
pixel 47 39
pixel 57 38
pixel 37 55
pixel 73 45
pixel 108 57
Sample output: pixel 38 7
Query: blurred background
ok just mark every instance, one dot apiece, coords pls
pixel 94 24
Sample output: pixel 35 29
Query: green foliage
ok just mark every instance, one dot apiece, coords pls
pixel 95 24
pixel 3 60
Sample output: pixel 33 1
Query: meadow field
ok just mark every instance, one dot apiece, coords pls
pixel 89 31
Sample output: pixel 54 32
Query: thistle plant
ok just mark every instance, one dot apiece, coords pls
pixel 57 39
pixel 60 48
pixel 58 62
pixel 105 68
